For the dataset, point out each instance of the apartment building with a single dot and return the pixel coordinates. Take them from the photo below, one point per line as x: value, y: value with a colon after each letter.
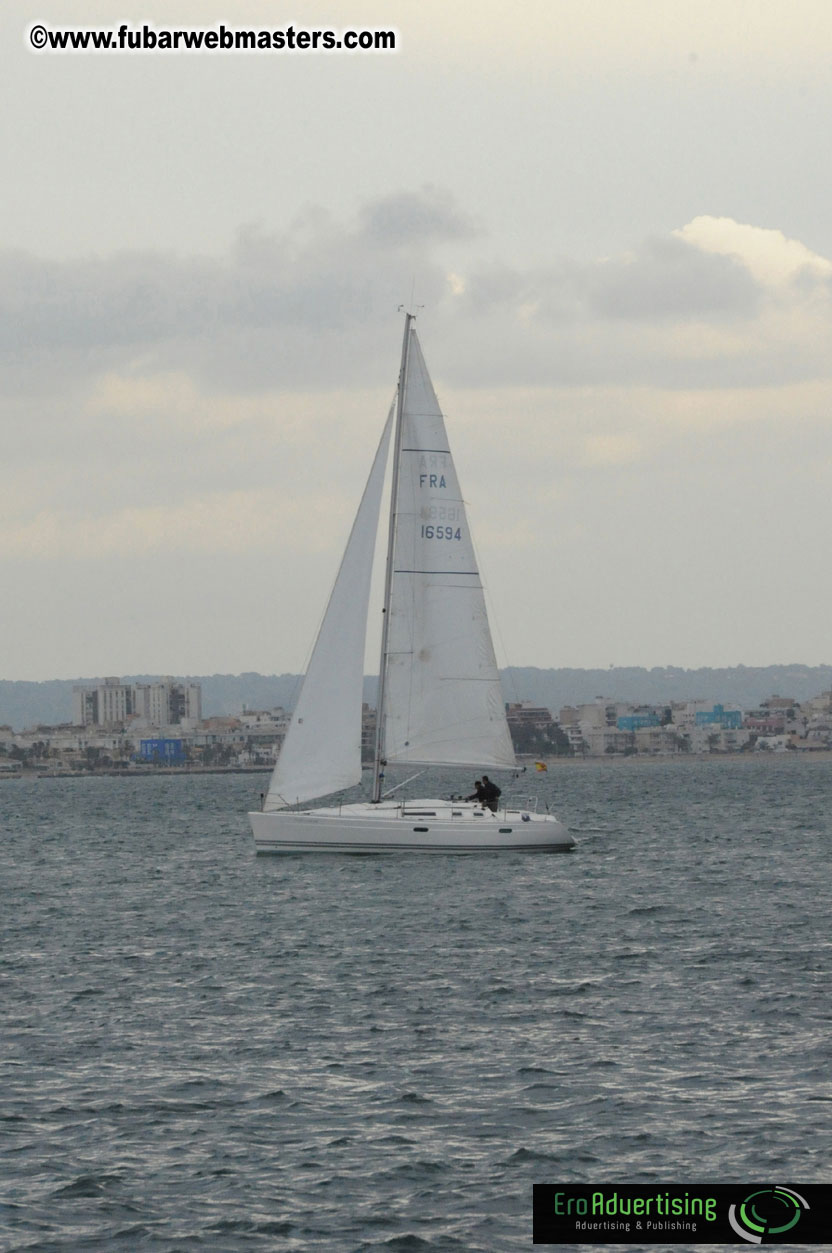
x: 112, y: 703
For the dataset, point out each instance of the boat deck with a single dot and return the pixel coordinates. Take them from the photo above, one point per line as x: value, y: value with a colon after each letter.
x: 441, y: 810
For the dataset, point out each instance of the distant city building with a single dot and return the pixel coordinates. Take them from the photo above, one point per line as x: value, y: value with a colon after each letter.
x: 818, y: 706
x: 534, y: 731
x: 593, y: 729
x: 638, y: 721
x: 368, y: 732
x: 766, y: 724
x: 162, y: 750
x: 165, y: 703
x: 719, y: 716
x: 108, y: 704
x: 608, y: 740
x: 265, y: 731
x: 525, y: 714
x: 656, y: 738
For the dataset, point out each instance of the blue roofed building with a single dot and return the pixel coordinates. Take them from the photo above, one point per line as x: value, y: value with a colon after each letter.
x: 162, y: 752
x: 719, y: 716
x: 635, y: 722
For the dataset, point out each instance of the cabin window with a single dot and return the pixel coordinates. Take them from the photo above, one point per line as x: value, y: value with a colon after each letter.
x: 420, y: 828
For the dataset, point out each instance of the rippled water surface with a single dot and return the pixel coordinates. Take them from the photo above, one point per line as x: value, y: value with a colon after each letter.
x: 204, y: 1049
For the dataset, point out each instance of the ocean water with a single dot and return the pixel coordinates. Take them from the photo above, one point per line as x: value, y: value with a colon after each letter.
x: 206, y: 1050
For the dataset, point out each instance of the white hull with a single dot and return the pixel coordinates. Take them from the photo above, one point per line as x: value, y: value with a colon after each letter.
x: 420, y: 826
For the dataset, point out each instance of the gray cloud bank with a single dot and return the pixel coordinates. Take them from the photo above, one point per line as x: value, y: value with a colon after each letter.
x: 303, y: 307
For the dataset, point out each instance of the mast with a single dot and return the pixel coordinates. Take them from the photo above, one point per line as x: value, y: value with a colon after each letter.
x: 388, y: 574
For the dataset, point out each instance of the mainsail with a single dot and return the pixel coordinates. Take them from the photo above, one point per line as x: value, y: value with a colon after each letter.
x: 442, y: 699
x: 322, y: 749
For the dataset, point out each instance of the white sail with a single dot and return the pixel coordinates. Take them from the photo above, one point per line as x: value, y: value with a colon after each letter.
x: 442, y: 698
x: 322, y: 749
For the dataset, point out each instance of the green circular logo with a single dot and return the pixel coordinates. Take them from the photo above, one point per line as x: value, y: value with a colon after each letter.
x: 766, y: 1215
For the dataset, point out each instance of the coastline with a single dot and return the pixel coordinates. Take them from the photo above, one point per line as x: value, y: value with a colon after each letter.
x: 621, y: 759
x: 614, y: 761
x: 140, y: 773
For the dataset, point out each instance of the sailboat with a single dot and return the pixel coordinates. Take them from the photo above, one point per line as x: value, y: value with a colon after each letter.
x: 439, y: 698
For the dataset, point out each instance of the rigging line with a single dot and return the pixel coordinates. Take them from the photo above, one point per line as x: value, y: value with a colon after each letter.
x: 397, y: 786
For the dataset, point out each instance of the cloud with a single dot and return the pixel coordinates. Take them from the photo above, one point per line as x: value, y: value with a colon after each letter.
x: 713, y: 304
x: 768, y: 255
x: 261, y: 314
x: 100, y: 303
x: 192, y: 343
x: 144, y: 380
x: 408, y: 217
x: 664, y: 280
x: 667, y: 280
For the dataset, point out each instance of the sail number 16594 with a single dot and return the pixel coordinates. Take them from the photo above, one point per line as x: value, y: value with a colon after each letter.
x: 440, y: 532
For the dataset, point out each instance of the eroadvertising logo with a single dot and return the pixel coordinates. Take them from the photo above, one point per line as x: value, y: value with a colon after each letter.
x: 682, y: 1214
x: 769, y: 1213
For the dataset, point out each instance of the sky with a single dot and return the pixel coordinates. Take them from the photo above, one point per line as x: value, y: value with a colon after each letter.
x: 615, y: 222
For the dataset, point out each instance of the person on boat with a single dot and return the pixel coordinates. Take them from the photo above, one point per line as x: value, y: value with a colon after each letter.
x: 490, y: 793
x: 478, y: 793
